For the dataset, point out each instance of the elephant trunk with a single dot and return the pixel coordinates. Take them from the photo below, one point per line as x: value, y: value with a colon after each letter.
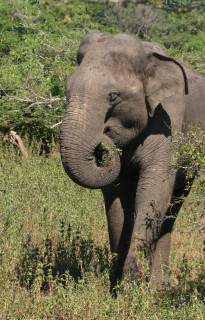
x: 89, y: 157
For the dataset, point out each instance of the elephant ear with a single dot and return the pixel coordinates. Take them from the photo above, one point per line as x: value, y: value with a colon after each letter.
x: 88, y: 40
x: 164, y: 77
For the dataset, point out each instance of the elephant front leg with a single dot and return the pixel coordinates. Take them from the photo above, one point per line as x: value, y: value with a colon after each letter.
x: 153, y: 197
x: 160, y: 262
x: 115, y: 216
x: 120, y: 217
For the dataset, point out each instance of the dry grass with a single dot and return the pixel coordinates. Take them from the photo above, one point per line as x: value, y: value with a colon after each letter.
x: 54, y: 252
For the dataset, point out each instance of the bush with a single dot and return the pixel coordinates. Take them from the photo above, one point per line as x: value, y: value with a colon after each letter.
x: 190, y: 150
x: 74, y: 256
x: 39, y: 40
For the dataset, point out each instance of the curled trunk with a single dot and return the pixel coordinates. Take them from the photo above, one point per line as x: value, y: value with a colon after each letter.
x: 89, y: 157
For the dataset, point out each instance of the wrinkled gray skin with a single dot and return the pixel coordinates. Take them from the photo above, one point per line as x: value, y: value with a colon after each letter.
x: 131, y: 95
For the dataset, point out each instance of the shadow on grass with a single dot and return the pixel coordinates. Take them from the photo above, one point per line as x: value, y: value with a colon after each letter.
x: 175, y: 297
x: 73, y: 255
x: 188, y: 289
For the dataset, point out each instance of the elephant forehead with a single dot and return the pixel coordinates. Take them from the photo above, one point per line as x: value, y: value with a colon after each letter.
x: 124, y: 62
x: 122, y: 54
x: 91, y: 80
x: 112, y: 64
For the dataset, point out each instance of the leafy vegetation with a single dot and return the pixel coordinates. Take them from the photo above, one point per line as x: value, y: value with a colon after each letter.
x: 104, y: 153
x: 39, y: 40
x: 190, y: 148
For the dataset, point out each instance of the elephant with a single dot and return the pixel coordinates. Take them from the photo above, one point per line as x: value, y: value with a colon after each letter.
x: 125, y: 101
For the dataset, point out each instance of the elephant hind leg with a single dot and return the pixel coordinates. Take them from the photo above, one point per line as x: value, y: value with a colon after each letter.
x: 160, y: 272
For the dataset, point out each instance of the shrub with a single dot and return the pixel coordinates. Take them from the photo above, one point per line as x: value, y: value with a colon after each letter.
x: 190, y: 150
x: 73, y: 256
x: 39, y: 40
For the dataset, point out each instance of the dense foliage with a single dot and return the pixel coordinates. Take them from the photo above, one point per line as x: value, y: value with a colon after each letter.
x: 39, y: 40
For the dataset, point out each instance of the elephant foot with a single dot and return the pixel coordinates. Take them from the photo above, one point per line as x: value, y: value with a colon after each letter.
x: 162, y: 279
x: 115, y: 275
x: 131, y: 269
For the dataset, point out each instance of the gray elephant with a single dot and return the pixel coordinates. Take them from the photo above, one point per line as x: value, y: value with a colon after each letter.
x: 132, y: 96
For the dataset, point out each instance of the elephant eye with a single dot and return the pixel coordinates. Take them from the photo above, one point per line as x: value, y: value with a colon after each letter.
x: 114, y: 97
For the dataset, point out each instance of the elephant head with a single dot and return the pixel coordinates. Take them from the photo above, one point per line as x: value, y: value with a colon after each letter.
x: 110, y: 98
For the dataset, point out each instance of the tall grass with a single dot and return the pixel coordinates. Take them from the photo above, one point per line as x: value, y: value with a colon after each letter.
x: 55, y: 259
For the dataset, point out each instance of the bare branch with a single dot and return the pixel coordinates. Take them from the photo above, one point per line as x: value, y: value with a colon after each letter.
x: 47, y: 101
x: 55, y: 125
x: 183, y: 7
x: 34, y: 102
x: 14, y: 138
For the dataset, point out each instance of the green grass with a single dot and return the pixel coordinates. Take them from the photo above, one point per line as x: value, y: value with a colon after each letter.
x: 55, y: 259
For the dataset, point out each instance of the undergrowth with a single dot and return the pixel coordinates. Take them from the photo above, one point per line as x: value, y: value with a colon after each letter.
x: 55, y: 260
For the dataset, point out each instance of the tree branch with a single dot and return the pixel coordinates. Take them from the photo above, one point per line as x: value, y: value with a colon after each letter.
x: 34, y: 102
x: 14, y: 138
x: 55, y: 125
x: 173, y: 5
